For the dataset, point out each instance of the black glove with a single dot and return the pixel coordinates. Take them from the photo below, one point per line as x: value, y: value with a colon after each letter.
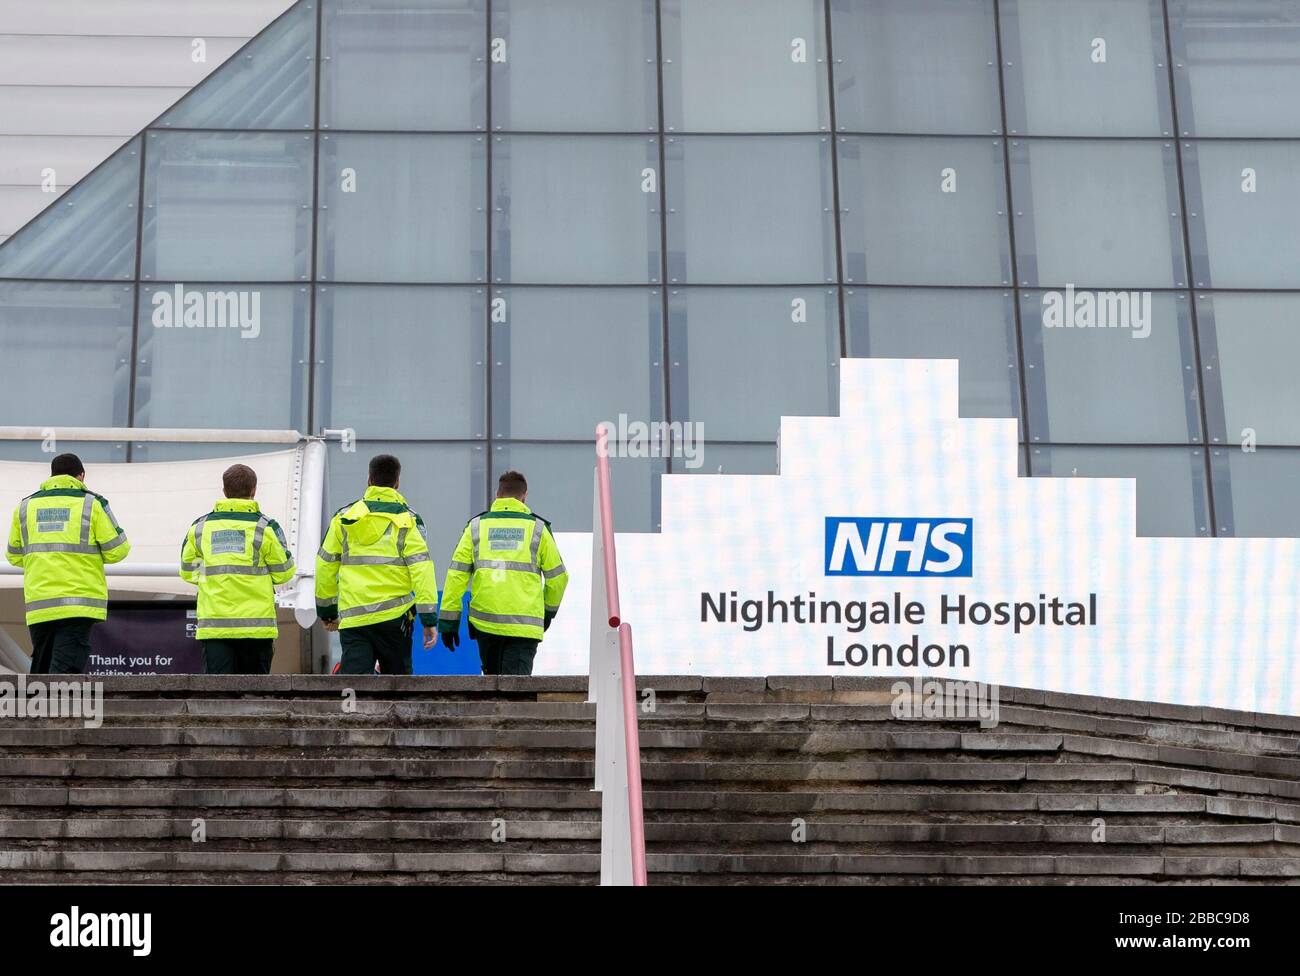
x: 546, y: 620
x: 451, y: 638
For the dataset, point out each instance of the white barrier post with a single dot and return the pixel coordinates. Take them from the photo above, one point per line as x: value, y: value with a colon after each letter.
x: 611, y: 686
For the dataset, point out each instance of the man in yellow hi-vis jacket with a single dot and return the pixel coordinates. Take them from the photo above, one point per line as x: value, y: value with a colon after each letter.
x: 508, y: 559
x: 374, y: 573
x: 61, y: 537
x: 236, y: 556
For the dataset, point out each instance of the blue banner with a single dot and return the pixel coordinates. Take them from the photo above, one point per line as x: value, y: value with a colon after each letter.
x: 439, y: 660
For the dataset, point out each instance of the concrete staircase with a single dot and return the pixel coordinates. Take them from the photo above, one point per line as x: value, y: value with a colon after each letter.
x: 291, y: 779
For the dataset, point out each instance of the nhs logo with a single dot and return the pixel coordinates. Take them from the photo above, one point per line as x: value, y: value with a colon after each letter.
x: 898, y: 546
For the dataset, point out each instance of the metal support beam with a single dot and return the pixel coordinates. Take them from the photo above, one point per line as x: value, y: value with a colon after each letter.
x: 180, y: 435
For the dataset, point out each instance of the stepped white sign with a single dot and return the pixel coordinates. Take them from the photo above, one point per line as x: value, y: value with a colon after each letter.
x: 898, y: 540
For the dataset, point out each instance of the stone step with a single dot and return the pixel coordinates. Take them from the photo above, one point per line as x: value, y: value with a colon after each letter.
x: 672, y: 687
x: 404, y: 779
x: 537, y: 736
x: 966, y: 770
x: 281, y: 769
x: 323, y: 830
x: 943, y: 866
x: 30, y: 751
x: 18, y: 862
x: 290, y: 861
x: 683, y: 725
x: 363, y: 796
x: 460, y: 879
x: 724, y: 833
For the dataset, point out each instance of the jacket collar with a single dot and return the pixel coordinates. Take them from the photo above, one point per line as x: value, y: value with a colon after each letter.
x: 510, y: 505
x: 377, y: 494
x: 62, y: 481
x: 236, y: 505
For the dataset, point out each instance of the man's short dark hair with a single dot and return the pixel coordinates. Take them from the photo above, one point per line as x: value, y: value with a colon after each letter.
x: 239, y: 481
x: 67, y: 464
x: 512, y: 484
x: 385, y: 470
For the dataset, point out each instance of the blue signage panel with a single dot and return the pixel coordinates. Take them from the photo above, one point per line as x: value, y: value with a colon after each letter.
x: 898, y: 546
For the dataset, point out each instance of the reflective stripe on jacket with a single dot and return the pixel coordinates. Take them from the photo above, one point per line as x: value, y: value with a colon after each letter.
x: 508, y: 560
x: 61, y: 537
x: 236, y: 556
x: 374, y: 564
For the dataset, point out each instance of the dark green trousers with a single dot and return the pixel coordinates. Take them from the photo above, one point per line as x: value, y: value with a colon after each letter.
x: 505, y: 655
x: 61, y: 646
x: 237, y: 655
x: 388, y: 642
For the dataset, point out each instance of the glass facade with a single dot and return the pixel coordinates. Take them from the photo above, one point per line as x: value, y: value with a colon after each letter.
x: 471, y: 229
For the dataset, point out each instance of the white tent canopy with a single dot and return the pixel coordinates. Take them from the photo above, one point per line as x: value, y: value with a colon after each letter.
x: 155, y: 502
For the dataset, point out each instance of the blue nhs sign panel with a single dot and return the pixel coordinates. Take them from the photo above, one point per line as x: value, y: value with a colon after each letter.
x: 898, y: 546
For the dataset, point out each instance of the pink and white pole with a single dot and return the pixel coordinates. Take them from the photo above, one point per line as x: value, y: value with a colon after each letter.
x: 632, y: 742
x: 612, y: 686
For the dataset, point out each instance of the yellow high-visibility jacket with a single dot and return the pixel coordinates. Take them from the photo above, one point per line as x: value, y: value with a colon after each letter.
x: 508, y: 559
x: 62, y: 536
x: 374, y: 564
x: 236, y: 556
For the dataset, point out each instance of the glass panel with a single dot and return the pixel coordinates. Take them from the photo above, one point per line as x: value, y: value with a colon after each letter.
x: 575, y: 66
x: 222, y: 356
x: 916, y: 66
x: 1252, y: 343
x: 1171, y: 497
x: 731, y: 459
x: 1136, y: 347
x: 268, y: 84
x: 393, y: 64
x: 1095, y: 68
x: 1254, y: 492
x: 560, y: 484
x: 444, y: 483
x: 975, y: 327
x: 227, y: 207
x: 744, y: 66
x: 578, y: 210
x: 1246, y: 192
x: 67, y: 354
x: 924, y: 211
x: 402, y: 208
x: 1236, y: 67
x: 547, y: 342
x: 741, y: 358
x: 88, y: 232
x: 436, y: 391
x: 1097, y: 214
x: 90, y: 452
x: 750, y: 210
